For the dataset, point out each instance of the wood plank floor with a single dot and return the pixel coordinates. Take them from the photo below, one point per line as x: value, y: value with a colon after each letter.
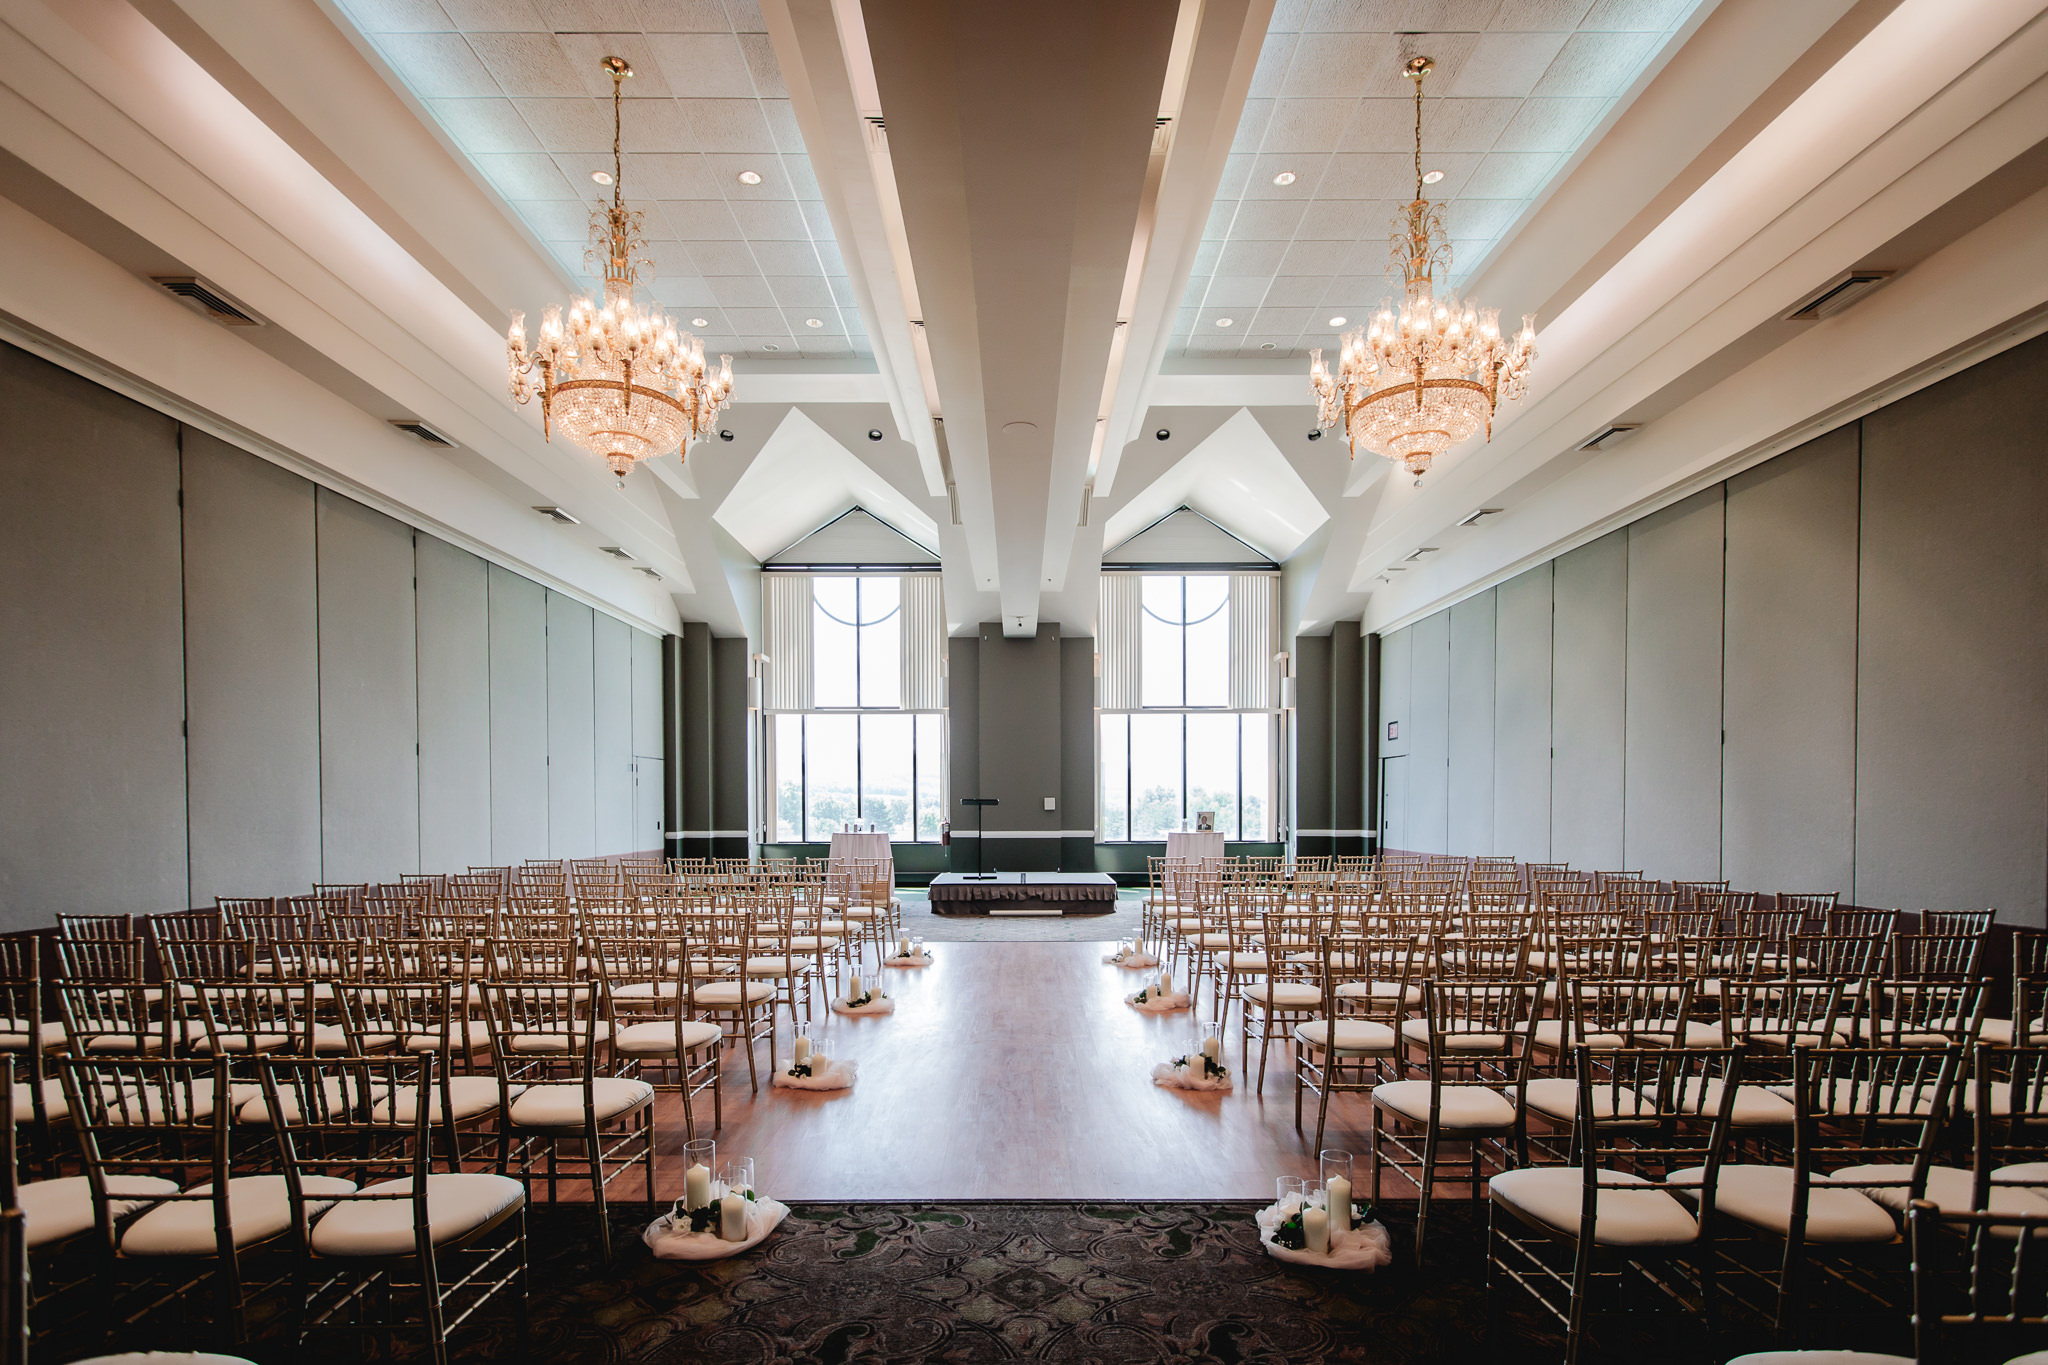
x: 1011, y: 1071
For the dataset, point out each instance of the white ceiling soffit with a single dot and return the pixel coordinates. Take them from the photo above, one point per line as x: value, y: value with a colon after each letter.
x: 519, y: 89
x: 1236, y: 478
x: 1517, y: 91
x: 855, y: 537
x: 1185, y: 536
x: 802, y: 479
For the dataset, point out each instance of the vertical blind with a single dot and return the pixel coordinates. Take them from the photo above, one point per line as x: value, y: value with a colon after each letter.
x: 924, y: 642
x: 1254, y: 638
x: 786, y: 622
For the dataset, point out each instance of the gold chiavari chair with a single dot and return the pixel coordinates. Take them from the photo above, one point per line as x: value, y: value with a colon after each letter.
x: 654, y: 1023
x: 1363, y: 991
x: 96, y: 926
x: 105, y: 1005
x: 719, y: 989
x: 1288, y: 989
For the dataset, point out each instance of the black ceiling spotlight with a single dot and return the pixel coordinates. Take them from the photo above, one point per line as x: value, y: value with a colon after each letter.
x: 874, y: 433
x: 725, y: 435
x: 1162, y: 433
x: 1315, y: 433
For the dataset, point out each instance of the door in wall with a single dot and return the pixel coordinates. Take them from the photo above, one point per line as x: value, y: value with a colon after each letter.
x: 1393, y: 802
x: 647, y: 807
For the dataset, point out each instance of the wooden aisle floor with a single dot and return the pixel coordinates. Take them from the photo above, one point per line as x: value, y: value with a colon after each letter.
x: 1011, y: 1071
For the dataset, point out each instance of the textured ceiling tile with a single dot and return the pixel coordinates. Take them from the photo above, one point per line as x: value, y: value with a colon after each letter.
x: 1205, y: 258
x: 1215, y: 342
x: 683, y: 16
x: 1374, y: 285
x: 1549, y: 125
x: 742, y: 291
x: 842, y: 292
x: 1531, y: 15
x: 1367, y: 255
x: 745, y: 16
x: 782, y: 126
x: 485, y: 125
x: 1511, y: 175
x: 1307, y: 125
x: 495, y: 16
x: 1290, y: 322
x: 1270, y: 345
x: 790, y: 258
x: 1306, y: 167
x: 1507, y: 64
x: 803, y: 181
x: 1289, y: 16
x: 1267, y: 218
x: 803, y: 291
x: 714, y: 259
x: 1296, y: 291
x: 702, y: 220
x: 726, y: 168
x: 771, y: 220
x: 1251, y: 125
x: 678, y: 175
x: 1237, y: 172
x: 1488, y: 218
x: 1636, y: 14
x: 557, y: 220
x: 1598, y: 64
x: 653, y: 126
x: 681, y: 291
x: 1259, y: 258
x: 1276, y: 55
x: 1368, y: 177
x: 823, y: 344
x: 525, y: 175
x: 585, y: 53
x: 399, y: 16
x: 1331, y: 219
x: 570, y: 125
x: 703, y: 65
x: 527, y: 63
x: 1240, y: 293
x: 1221, y: 214
x: 1351, y: 16
x: 761, y: 63
x: 1336, y: 65
x: 589, y: 16
x: 817, y: 218
x: 735, y: 125
x: 758, y: 320
x: 436, y: 65
x: 1465, y: 125
x: 1315, y: 258
x: 830, y: 256
x: 1444, y: 16
x: 765, y: 342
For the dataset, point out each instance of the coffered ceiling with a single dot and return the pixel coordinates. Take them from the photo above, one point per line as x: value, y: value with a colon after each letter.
x: 1518, y: 87
x: 516, y: 85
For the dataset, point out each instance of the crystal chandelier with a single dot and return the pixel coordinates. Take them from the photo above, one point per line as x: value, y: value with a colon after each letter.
x: 1412, y: 384
x: 619, y: 381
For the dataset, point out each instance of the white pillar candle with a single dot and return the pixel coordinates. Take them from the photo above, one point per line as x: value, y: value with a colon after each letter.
x: 732, y: 1219
x: 853, y: 991
x: 1340, y: 1204
x: 1212, y: 1047
x: 697, y: 1187
x: 803, y: 1051
x: 1166, y: 983
x: 1315, y: 1230
x: 820, y: 1064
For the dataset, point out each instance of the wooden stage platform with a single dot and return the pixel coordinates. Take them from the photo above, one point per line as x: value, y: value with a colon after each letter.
x: 1024, y: 893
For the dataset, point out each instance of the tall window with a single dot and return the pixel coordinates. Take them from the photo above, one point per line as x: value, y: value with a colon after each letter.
x: 1186, y: 724
x: 861, y: 736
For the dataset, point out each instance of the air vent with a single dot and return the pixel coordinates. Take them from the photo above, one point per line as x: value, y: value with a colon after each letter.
x: 1479, y: 514
x: 1838, y: 294
x: 209, y: 298
x: 1611, y: 435
x: 422, y: 432
x: 556, y: 514
x: 1419, y: 553
x: 875, y: 122
x: 650, y: 573
x: 617, y: 551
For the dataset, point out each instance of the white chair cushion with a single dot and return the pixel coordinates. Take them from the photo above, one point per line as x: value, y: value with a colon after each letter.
x: 1379, y: 990
x: 720, y: 994
x: 167, y: 1358
x: 1761, y: 1196
x: 1283, y: 995
x: 2033, y: 1174
x: 558, y: 1042
x: 14, y: 1034
x: 648, y: 990
x: 256, y: 1109
x: 560, y: 1105
x: 1756, y: 1106
x: 468, y: 1096
x: 52, y: 1210
x: 1849, y: 1098
x: 1557, y: 1097
x: 773, y: 965
x: 456, y: 1206
x: 1417, y: 1031
x: 1353, y: 1035
x: 1698, y: 1033
x: 1549, y: 1031
x: 657, y: 1038
x: 1242, y: 962
x: 259, y: 1208
x: 149, y: 1107
x: 54, y: 1098
x: 1950, y: 1187
x: 1464, y: 1106
x: 243, y: 1042
x: 1825, y: 1358
x: 472, y: 1035
x: 1632, y: 1217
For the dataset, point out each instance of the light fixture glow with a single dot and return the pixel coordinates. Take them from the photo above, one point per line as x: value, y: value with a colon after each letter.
x: 750, y: 177
x: 1432, y: 178
x: 770, y: 346
x: 1339, y: 320
x: 1225, y: 322
x: 601, y: 177
x: 1284, y: 178
x: 814, y: 322
x: 700, y: 322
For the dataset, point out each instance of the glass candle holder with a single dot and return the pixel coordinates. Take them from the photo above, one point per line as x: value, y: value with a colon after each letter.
x: 917, y: 946
x: 1334, y: 1162
x: 1290, y: 1187
x: 1123, y: 947
x: 739, y: 1174
x: 1211, y: 1036
x: 700, y: 1168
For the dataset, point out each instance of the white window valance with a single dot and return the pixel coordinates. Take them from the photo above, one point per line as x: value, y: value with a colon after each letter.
x: 787, y: 617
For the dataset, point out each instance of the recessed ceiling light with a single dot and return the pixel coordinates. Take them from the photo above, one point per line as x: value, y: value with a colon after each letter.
x: 601, y: 177
x: 771, y: 346
x: 1225, y: 322
x: 814, y: 322
x: 1268, y: 346
x: 1432, y: 177
x: 750, y: 177
x: 1339, y: 320
x: 700, y: 322
x: 1284, y: 178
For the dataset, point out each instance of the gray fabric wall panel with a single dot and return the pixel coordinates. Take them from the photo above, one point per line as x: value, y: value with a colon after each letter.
x: 729, y: 737
x: 1348, y: 746
x: 1788, y: 805
x: 252, y: 674
x: 519, y: 718
x: 1469, y: 742
x: 1429, y: 672
x: 92, y: 765
x: 1589, y: 689
x: 963, y: 740
x: 454, y: 613
x: 1521, y: 716
x: 649, y: 809
x: 1952, y: 713
x: 572, y: 756
x: 646, y: 695
x: 369, y: 694
x: 612, y: 668
x: 1311, y: 732
x: 1396, y: 653
x: 1672, y: 783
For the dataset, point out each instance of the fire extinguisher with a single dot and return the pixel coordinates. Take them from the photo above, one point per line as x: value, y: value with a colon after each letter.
x: 945, y: 834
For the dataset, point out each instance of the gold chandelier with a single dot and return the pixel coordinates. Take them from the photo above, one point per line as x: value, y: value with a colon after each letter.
x: 619, y: 381
x: 1412, y: 384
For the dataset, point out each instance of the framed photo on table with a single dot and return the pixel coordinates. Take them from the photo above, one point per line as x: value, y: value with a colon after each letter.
x: 1205, y: 822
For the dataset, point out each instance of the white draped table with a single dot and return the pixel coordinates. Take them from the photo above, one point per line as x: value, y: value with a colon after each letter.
x: 1188, y: 844
x: 866, y: 848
